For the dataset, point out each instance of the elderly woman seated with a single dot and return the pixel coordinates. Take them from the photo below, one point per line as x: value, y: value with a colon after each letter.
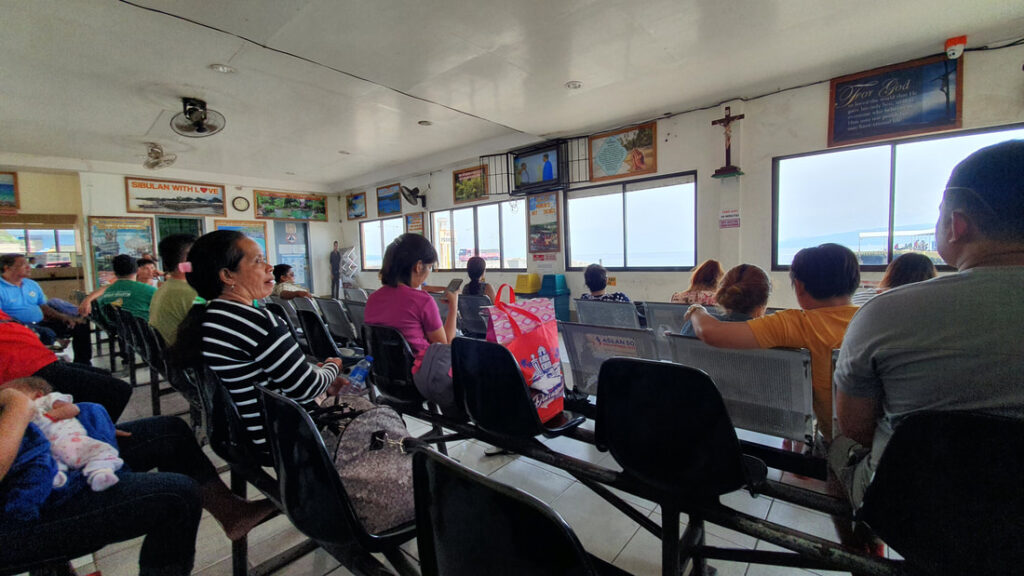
x: 284, y: 284
x: 596, y: 278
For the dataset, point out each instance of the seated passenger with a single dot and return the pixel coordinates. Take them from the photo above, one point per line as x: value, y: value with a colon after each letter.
x: 284, y: 284
x: 163, y: 506
x: 596, y: 278
x: 147, y: 273
x: 247, y: 346
x: 743, y: 295
x: 952, y: 343
x: 824, y: 278
x: 907, y: 268
x: 703, y: 285
x: 175, y: 297
x: 126, y: 292
x: 402, y: 305
x: 477, y: 287
x: 22, y: 355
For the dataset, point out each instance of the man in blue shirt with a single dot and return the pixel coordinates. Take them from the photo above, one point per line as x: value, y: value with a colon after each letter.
x: 549, y: 171
x: 22, y: 299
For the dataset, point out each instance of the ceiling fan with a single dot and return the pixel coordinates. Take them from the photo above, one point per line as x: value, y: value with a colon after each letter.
x: 196, y: 120
x: 156, y: 158
x: 414, y: 196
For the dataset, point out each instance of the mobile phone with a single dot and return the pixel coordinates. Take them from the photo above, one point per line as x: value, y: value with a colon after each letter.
x: 453, y: 285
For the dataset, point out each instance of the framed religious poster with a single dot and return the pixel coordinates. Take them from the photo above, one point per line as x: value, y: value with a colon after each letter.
x: 145, y: 195
x: 286, y: 206
x: 110, y: 236
x: 355, y: 206
x: 543, y: 222
x: 389, y: 199
x: 624, y: 153
x: 414, y: 223
x: 914, y: 97
x: 255, y: 230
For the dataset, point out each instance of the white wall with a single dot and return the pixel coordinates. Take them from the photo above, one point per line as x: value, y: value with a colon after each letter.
x: 790, y: 122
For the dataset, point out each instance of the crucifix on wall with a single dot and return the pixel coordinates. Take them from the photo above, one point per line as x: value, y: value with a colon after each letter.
x: 726, y: 122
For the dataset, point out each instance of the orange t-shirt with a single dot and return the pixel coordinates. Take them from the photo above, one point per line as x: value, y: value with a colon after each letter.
x: 21, y: 352
x: 820, y: 331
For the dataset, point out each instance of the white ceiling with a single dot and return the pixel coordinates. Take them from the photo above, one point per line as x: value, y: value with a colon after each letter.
x: 95, y: 79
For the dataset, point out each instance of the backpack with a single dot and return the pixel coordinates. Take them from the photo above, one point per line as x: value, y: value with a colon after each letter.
x: 365, y: 442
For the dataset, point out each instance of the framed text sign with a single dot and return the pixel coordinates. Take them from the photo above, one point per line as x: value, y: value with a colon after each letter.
x: 113, y: 235
x: 910, y: 98
x: 172, y: 197
x: 623, y: 153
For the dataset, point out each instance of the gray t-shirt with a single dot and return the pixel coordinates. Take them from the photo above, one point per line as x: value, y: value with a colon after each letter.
x: 951, y: 343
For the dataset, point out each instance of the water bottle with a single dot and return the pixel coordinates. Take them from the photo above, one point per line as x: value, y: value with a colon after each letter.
x: 357, y: 376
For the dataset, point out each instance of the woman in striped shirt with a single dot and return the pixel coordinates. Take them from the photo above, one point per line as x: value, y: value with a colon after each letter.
x: 247, y: 346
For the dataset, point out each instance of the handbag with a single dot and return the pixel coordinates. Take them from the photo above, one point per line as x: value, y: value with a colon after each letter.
x: 534, y: 344
x: 364, y: 440
x: 499, y: 326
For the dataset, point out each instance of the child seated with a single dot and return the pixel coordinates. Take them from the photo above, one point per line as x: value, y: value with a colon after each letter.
x: 70, y: 444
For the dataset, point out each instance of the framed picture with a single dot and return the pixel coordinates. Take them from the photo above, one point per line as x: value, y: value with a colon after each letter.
x: 470, y: 184
x: 282, y: 206
x: 914, y: 97
x: 414, y: 223
x: 623, y: 153
x: 543, y: 222
x: 9, y: 191
x: 355, y: 206
x: 112, y: 235
x: 148, y: 196
x: 389, y: 199
x: 255, y: 230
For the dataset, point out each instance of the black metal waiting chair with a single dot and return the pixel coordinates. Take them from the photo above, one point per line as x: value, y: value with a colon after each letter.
x: 338, y: 322
x: 497, y: 398
x: 357, y: 313
x: 948, y: 495
x: 321, y: 345
x: 128, y: 337
x: 666, y: 425
x: 280, y: 311
x: 471, y: 322
x: 468, y: 524
x: 314, y: 498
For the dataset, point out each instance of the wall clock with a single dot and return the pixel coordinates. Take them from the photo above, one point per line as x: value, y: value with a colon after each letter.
x: 240, y: 203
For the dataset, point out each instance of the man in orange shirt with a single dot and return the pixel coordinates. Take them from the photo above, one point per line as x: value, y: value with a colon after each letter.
x: 824, y: 278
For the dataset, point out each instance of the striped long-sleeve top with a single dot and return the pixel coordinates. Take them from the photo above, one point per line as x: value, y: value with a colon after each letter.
x: 249, y: 347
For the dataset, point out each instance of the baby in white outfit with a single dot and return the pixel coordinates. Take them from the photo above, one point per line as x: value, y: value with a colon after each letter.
x: 56, y: 416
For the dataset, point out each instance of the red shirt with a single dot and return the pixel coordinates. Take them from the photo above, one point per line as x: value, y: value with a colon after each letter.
x: 21, y: 352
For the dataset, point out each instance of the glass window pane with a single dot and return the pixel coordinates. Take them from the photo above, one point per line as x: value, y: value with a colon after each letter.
x: 595, y: 230
x: 42, y: 241
x: 840, y: 197
x: 12, y: 240
x: 392, y: 228
x: 660, y: 226
x: 373, y: 252
x: 462, y: 236
x: 922, y: 169
x: 488, y: 234
x: 513, y: 231
x: 66, y: 240
x: 441, y: 228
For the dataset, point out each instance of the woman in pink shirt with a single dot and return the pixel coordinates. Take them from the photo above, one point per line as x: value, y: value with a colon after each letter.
x: 400, y: 304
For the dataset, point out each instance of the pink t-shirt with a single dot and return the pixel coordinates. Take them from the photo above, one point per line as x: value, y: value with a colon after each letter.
x: 412, y: 312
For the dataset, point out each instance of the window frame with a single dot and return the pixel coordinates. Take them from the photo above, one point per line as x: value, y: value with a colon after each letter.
x: 476, y: 233
x: 58, y: 248
x: 892, y: 144
x: 567, y: 252
x: 362, y: 239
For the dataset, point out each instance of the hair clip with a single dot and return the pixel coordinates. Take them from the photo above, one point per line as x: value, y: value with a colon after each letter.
x: 184, y: 267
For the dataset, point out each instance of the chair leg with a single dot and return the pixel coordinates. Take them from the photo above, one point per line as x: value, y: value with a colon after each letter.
x: 693, y: 538
x: 240, y: 547
x: 154, y: 390
x: 669, y: 540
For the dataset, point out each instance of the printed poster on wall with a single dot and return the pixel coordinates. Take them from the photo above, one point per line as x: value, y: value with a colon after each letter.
x: 282, y: 206
x: 914, y: 97
x: 255, y: 230
x: 414, y: 223
x: 110, y: 236
x: 543, y: 218
x: 623, y: 153
x: 172, y: 197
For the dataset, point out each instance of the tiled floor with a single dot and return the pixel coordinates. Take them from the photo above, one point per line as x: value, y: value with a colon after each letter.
x: 604, y: 531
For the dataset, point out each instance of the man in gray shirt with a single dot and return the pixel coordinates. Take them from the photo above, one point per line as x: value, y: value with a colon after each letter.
x: 951, y: 343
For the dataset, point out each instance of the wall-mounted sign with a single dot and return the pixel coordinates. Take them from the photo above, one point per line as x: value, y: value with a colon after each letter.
x: 414, y: 223
x: 113, y: 235
x: 910, y: 98
x: 255, y: 230
x: 149, y: 196
x: 543, y: 218
x: 282, y: 206
x: 622, y: 153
